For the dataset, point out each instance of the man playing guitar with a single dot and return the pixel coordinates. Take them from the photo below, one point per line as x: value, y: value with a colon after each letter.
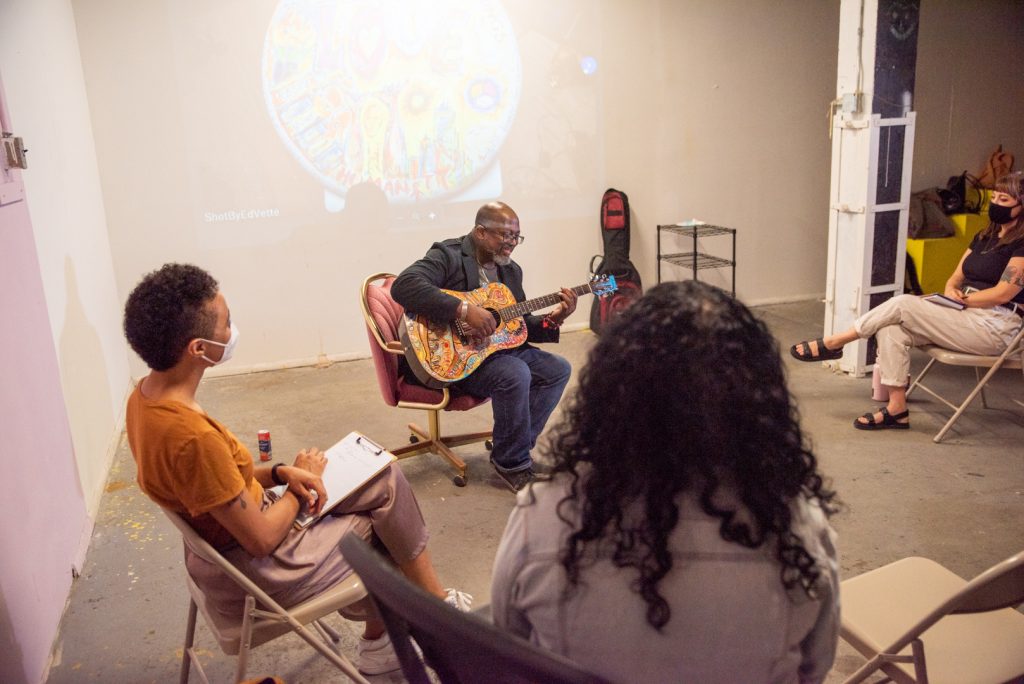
x: 524, y: 383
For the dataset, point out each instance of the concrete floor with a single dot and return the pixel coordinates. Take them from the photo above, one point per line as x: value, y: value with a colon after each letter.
x: 960, y: 502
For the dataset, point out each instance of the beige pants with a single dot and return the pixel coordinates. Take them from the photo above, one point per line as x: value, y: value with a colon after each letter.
x: 907, y: 321
x: 309, y: 561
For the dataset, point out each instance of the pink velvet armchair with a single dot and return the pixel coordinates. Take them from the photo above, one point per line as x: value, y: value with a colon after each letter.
x: 383, y: 317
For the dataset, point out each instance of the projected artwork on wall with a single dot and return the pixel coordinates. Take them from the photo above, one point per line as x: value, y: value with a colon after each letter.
x: 416, y: 98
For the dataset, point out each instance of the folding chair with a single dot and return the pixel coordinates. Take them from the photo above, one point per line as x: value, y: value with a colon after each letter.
x: 1011, y: 358
x: 462, y: 648
x: 255, y: 626
x: 383, y: 316
x: 918, y: 622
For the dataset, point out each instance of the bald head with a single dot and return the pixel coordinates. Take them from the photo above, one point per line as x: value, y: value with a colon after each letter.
x: 496, y: 215
x: 496, y: 233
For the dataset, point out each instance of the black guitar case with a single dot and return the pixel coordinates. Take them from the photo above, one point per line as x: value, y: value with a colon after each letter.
x: 615, y: 262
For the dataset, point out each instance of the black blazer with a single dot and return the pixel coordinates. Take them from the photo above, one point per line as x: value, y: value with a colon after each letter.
x: 451, y: 265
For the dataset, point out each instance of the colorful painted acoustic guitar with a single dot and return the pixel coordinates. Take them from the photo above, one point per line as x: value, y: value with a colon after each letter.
x: 442, y: 353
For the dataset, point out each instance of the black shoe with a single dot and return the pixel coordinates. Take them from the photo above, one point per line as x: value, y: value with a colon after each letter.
x: 821, y: 352
x: 516, y: 480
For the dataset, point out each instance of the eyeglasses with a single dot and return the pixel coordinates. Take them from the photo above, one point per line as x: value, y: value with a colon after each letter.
x: 507, y: 235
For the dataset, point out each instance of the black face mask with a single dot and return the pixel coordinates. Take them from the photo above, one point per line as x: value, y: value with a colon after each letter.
x: 997, y: 213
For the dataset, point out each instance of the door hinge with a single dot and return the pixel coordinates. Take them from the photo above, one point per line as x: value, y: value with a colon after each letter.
x: 14, y: 151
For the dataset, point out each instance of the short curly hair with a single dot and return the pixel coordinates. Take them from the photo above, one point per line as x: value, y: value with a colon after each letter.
x: 684, y: 392
x: 166, y: 310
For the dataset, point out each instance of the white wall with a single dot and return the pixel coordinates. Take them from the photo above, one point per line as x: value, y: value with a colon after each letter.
x: 969, y: 87
x: 716, y: 111
x: 65, y: 367
x: 699, y: 109
x: 48, y: 106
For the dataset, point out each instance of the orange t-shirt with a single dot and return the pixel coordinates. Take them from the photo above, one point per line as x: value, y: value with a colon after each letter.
x: 188, y: 462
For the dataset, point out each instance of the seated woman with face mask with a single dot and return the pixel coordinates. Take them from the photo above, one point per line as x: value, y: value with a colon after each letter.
x: 178, y: 321
x: 988, y: 281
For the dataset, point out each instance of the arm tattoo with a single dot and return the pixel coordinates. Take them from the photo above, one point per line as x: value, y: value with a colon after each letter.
x: 241, y: 501
x: 1014, y: 276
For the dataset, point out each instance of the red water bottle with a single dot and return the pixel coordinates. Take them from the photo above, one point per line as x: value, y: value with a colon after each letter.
x: 264, y: 439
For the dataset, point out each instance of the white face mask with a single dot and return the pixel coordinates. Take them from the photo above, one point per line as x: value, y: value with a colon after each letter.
x: 229, y: 347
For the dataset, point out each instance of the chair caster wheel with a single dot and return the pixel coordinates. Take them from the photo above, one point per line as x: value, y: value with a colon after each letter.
x: 459, y: 480
x: 489, y: 445
x: 413, y: 439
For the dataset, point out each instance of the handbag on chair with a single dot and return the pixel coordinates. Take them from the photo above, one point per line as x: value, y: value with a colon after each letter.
x: 963, y: 194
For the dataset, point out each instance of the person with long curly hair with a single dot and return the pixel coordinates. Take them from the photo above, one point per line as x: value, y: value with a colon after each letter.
x: 986, y: 289
x: 683, y: 534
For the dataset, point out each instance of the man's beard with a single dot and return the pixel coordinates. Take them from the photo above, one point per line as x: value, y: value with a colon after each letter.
x: 502, y: 260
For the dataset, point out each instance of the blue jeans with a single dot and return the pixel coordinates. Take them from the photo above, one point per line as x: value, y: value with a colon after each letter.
x: 524, y: 385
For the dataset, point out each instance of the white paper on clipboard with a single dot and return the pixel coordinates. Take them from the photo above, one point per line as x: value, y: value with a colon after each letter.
x: 351, y: 463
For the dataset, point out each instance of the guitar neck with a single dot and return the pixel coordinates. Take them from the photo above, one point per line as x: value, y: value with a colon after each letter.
x: 530, y: 305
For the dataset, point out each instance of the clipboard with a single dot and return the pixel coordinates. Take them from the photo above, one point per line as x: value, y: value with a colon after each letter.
x: 351, y: 463
x: 943, y: 300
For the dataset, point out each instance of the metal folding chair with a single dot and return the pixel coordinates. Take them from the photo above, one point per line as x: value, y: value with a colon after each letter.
x: 258, y: 625
x: 1011, y: 358
x: 918, y: 622
x: 462, y: 648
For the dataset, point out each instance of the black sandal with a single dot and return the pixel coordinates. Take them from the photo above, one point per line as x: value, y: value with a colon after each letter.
x: 824, y: 353
x: 889, y: 421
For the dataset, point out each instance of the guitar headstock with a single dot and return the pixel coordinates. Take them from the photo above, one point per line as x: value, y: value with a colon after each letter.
x: 603, y: 284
